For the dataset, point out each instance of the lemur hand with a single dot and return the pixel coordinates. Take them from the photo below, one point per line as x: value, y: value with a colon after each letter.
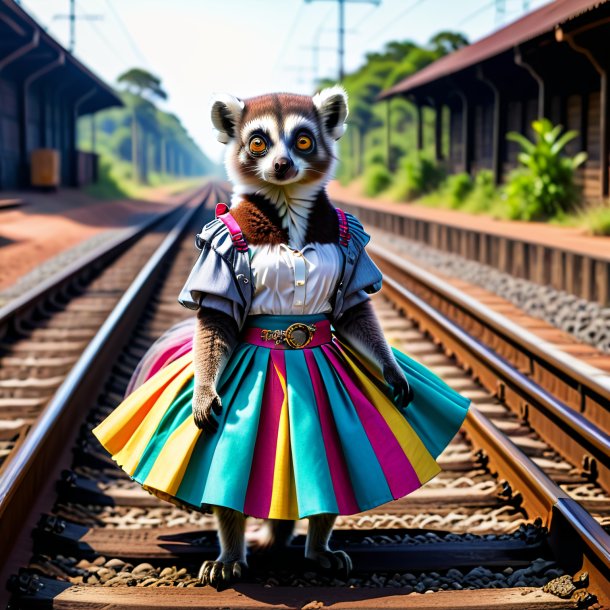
x: 206, y: 404
x: 403, y: 393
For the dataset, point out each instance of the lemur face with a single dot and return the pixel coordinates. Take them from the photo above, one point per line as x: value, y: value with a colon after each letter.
x: 280, y: 139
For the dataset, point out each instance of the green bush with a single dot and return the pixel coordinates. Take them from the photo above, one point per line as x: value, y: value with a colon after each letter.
x: 418, y: 174
x: 484, y: 194
x: 375, y: 156
x: 544, y: 187
x: 596, y: 220
x: 457, y: 189
x: 377, y: 178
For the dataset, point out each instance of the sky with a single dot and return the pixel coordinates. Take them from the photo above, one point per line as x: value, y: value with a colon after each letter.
x: 250, y: 47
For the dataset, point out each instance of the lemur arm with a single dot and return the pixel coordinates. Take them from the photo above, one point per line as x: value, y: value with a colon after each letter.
x: 216, y: 336
x: 360, y: 326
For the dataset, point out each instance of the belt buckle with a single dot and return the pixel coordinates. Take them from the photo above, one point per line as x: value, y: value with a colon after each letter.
x: 299, y: 335
x: 296, y: 336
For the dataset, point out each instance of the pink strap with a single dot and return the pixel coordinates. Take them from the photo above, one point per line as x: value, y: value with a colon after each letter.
x: 322, y: 336
x: 344, y: 234
x: 223, y: 214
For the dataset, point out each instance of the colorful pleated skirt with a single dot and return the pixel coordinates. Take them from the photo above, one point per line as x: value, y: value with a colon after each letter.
x: 302, y: 431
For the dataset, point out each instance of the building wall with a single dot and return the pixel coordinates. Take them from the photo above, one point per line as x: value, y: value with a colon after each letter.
x: 50, y: 124
x: 9, y: 135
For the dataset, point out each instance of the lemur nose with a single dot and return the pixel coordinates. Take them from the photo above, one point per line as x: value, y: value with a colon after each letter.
x: 282, y: 165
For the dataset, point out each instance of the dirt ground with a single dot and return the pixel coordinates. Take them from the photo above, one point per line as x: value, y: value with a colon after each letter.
x: 49, y: 223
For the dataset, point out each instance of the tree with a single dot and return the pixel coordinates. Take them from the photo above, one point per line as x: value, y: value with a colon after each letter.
x: 142, y: 83
x: 146, y: 87
x: 447, y: 42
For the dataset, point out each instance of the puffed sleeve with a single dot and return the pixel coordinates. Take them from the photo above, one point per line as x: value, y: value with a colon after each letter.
x: 362, y: 276
x: 212, y: 282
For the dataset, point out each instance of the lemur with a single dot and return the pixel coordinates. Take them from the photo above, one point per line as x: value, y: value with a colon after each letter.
x: 280, y: 155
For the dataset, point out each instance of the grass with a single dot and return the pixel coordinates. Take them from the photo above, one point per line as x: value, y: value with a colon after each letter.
x: 593, y: 219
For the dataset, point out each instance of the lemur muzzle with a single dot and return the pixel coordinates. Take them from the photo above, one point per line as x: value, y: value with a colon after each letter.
x: 282, y: 165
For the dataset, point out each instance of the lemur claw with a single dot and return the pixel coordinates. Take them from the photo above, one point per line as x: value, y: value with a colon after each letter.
x: 220, y: 574
x: 204, y: 408
x: 336, y: 563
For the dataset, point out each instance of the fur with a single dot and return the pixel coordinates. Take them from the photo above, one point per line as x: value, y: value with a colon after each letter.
x: 279, y: 119
x: 360, y: 326
x: 216, y: 336
x: 279, y: 197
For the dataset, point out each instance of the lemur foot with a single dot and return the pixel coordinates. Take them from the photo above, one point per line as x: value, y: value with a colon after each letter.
x: 221, y: 574
x: 335, y: 563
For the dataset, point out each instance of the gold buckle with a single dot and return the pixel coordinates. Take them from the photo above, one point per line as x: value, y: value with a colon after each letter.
x: 297, y: 335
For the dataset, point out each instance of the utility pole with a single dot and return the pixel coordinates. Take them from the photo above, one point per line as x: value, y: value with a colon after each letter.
x: 72, y: 17
x: 341, y: 30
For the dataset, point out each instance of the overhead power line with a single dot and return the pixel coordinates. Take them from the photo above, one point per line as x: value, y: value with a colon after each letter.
x: 134, y: 46
x: 396, y: 18
x: 341, y: 30
x: 72, y: 17
x: 476, y: 13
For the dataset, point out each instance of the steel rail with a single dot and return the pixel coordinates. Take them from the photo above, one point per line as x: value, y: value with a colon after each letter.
x: 588, y: 377
x: 30, y: 468
x: 578, y: 540
x: 567, y: 430
x: 95, y: 259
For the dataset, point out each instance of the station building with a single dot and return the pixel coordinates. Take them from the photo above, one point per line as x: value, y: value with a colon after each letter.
x: 43, y: 90
x: 553, y: 62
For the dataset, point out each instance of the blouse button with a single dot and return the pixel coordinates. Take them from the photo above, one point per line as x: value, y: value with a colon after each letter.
x: 300, y: 282
x: 298, y: 302
x: 297, y: 253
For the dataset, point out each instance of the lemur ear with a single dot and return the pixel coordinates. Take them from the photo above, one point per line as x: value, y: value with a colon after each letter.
x: 332, y: 106
x: 226, y: 112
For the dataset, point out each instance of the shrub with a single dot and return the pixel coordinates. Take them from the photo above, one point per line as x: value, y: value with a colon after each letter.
x: 418, y: 175
x: 545, y: 185
x: 377, y: 178
x: 375, y: 156
x: 484, y: 193
x: 597, y: 220
x: 457, y: 189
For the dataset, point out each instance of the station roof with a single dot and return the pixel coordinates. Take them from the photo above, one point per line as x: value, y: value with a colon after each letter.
x: 532, y: 25
x: 31, y: 46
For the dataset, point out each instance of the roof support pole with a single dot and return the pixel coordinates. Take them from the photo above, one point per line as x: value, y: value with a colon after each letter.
x: 420, y: 125
x: 497, y: 129
x: 74, y: 178
x: 542, y: 95
x: 601, y: 66
x: 388, y: 134
x: 17, y: 53
x: 466, y: 131
x: 438, y: 131
x: 27, y: 82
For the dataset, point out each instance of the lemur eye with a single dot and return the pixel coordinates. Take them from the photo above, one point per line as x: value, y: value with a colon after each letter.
x: 257, y: 145
x: 304, y: 143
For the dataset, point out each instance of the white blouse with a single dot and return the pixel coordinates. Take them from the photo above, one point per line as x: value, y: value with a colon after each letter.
x: 294, y: 282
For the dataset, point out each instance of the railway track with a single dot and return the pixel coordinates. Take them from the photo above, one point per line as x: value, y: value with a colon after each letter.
x: 508, y: 514
x: 44, y: 332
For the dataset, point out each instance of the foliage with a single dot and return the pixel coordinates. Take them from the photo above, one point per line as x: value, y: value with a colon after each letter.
x: 156, y: 128
x: 375, y: 156
x: 545, y: 186
x: 377, y: 178
x: 142, y: 82
x: 484, y: 194
x: 418, y: 174
x: 457, y: 188
x: 596, y: 220
x: 367, y: 118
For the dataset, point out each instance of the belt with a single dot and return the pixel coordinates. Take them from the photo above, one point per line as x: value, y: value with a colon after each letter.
x: 295, y: 336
